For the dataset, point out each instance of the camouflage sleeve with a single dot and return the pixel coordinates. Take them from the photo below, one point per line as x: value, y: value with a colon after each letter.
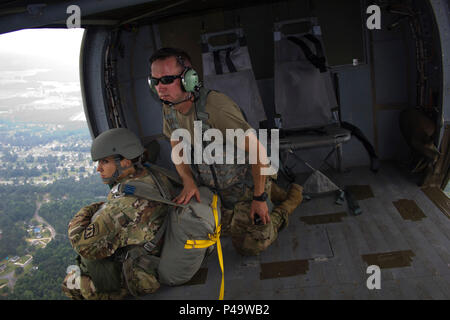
x: 81, y: 219
x: 121, y: 222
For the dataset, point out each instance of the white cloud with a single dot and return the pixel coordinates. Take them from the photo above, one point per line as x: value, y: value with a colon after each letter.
x: 62, y: 44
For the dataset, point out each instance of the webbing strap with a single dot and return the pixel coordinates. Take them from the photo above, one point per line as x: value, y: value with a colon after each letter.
x: 160, y: 185
x: 200, y: 108
x: 229, y: 62
x: 317, y: 44
x: 169, y: 174
x: 316, y: 60
x: 151, y: 245
x: 217, y: 63
x: 213, y: 239
x: 203, y: 116
x: 143, y: 190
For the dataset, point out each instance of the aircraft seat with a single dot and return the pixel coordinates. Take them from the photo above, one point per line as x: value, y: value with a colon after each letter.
x: 227, y: 68
x: 305, y: 98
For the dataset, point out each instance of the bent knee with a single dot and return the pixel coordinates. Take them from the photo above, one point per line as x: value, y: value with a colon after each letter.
x: 143, y: 283
x: 254, y: 240
x: 249, y: 246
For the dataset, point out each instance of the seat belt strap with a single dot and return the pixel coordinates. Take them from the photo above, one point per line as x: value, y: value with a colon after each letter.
x: 319, y: 52
x: 229, y: 62
x: 217, y: 63
x: 315, y: 60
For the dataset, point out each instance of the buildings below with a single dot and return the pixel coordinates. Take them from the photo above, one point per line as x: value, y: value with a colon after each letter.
x: 46, y: 160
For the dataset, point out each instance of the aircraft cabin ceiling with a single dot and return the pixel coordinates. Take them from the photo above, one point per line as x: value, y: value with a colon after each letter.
x: 16, y: 15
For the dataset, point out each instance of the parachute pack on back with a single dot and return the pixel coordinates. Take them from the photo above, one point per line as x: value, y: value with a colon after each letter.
x: 190, y: 231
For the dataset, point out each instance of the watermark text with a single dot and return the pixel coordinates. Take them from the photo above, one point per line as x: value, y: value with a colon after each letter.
x: 213, y: 153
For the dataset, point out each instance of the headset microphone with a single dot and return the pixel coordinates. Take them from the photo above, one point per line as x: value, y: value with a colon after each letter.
x: 172, y: 104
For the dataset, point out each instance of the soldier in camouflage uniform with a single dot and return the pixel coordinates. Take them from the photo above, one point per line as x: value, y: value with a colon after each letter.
x: 244, y: 191
x: 112, y: 237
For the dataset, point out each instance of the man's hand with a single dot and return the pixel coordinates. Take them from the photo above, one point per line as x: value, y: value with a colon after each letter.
x: 260, y: 208
x: 189, y: 190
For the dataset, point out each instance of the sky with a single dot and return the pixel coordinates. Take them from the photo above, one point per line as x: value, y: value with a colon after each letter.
x: 62, y: 44
x: 39, y: 70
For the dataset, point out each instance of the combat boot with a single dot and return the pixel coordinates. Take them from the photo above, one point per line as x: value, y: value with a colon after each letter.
x: 280, y: 214
x: 293, y: 199
x: 277, y: 194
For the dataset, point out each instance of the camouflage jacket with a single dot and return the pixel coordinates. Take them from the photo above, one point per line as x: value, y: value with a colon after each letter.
x: 98, y: 230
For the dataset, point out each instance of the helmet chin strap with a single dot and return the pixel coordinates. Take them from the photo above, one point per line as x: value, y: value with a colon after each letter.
x: 119, y: 170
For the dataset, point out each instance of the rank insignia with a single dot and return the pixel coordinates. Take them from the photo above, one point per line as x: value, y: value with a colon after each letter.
x: 91, y: 231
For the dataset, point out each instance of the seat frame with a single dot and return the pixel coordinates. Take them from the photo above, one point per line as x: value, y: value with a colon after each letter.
x: 328, y: 135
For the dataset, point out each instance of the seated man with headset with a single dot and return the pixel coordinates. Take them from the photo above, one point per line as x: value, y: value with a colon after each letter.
x: 245, y: 193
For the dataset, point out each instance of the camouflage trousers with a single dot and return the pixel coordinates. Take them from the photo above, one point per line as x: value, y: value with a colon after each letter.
x: 85, y: 290
x: 138, y: 277
x: 247, y: 238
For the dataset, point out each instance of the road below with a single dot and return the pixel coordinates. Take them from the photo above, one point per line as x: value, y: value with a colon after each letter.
x: 10, y: 276
x: 11, y: 279
x: 42, y: 220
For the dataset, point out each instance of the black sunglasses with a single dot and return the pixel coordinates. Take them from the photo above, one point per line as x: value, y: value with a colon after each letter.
x: 153, y: 82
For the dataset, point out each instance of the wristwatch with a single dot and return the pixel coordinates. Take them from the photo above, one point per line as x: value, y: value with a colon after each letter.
x: 262, y: 197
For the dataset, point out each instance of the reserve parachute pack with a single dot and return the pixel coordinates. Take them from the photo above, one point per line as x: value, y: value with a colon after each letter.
x: 190, y: 231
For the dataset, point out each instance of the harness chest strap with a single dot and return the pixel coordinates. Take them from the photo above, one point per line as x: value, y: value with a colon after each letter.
x: 204, y: 116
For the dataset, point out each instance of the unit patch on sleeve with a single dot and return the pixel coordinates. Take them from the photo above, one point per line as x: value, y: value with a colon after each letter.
x: 91, y: 231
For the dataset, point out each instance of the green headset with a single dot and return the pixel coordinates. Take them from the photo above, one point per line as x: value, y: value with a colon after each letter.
x: 189, y: 78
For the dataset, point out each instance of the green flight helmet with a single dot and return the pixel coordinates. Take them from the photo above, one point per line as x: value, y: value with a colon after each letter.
x: 118, y: 141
